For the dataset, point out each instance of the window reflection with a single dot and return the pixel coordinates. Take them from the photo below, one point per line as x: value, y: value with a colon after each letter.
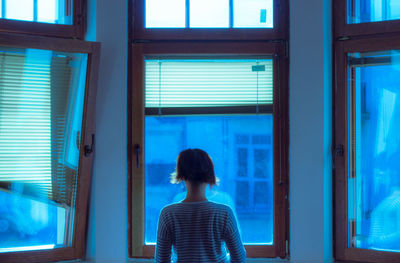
x: 44, y: 11
x: 372, y: 10
x: 374, y: 175
x: 41, y: 108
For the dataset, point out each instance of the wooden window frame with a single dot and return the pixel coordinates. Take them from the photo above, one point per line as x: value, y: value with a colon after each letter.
x: 139, y: 33
x: 77, y: 250
x: 136, y: 113
x: 344, y: 30
x: 342, y: 251
x: 76, y: 30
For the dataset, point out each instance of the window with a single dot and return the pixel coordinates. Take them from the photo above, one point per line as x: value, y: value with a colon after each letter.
x: 373, y: 11
x: 366, y: 134
x: 357, y: 17
x: 44, y: 11
x: 225, y: 104
x: 209, y: 14
x: 46, y: 134
x: 62, y: 18
x: 189, y: 89
x: 206, y: 19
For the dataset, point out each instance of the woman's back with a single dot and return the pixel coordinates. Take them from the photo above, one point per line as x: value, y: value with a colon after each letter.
x: 197, y: 230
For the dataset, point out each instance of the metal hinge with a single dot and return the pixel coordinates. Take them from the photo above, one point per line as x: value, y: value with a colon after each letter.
x: 287, y: 49
x: 287, y: 247
x: 79, y: 19
x: 344, y: 38
x: 339, y: 151
x: 88, y: 150
x: 140, y: 41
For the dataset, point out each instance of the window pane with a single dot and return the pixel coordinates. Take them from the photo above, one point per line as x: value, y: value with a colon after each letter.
x: 261, y: 157
x: 253, y: 13
x: 363, y: 11
x: 208, y: 82
x: 374, y: 151
x: 251, y: 198
x: 46, y: 11
x: 41, y: 108
x: 242, y: 155
x: 14, y: 10
x: 161, y: 13
x: 209, y: 13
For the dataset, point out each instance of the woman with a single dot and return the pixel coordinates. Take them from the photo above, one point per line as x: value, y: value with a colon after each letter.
x: 196, y: 227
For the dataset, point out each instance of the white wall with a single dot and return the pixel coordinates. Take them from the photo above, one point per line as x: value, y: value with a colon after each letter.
x: 310, y: 133
x: 107, y: 237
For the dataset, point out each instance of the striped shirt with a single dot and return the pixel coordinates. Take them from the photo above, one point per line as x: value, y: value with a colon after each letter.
x: 196, y: 231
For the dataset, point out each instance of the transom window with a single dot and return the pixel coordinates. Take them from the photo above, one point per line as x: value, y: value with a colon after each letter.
x: 361, y: 11
x: 44, y: 11
x: 209, y: 14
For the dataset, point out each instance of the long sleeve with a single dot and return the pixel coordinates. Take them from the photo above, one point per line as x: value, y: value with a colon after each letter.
x: 164, y: 243
x: 233, y: 240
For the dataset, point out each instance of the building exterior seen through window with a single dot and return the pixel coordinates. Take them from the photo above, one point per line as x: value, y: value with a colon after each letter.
x: 209, y: 14
x: 241, y: 149
x: 364, y: 11
x: 44, y: 11
x: 41, y: 108
x: 374, y: 150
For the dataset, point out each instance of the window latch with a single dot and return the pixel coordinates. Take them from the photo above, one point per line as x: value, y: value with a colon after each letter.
x: 337, y: 152
x: 89, y: 149
x: 137, y: 153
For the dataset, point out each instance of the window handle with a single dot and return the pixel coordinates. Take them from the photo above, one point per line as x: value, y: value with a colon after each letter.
x: 137, y: 153
x: 89, y: 149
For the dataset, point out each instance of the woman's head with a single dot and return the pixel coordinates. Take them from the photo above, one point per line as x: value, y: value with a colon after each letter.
x: 194, y: 166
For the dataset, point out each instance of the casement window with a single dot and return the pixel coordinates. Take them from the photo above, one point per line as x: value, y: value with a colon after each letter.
x: 61, y: 18
x: 208, y: 19
x: 189, y: 89
x: 47, y: 98
x: 232, y: 106
x: 367, y: 110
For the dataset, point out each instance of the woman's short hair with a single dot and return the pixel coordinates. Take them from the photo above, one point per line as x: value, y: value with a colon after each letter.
x: 195, y: 166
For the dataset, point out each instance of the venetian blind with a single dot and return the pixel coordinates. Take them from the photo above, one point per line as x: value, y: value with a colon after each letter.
x: 208, y: 83
x: 34, y: 94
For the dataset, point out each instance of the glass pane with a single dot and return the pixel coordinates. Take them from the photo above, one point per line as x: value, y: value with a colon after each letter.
x: 261, y: 157
x: 161, y: 13
x: 41, y: 108
x: 242, y: 190
x: 45, y: 11
x: 262, y: 193
x: 363, y: 11
x: 218, y: 136
x: 253, y: 13
x: 208, y: 82
x: 242, y: 162
x: 209, y: 13
x: 374, y: 151
x: 14, y: 11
